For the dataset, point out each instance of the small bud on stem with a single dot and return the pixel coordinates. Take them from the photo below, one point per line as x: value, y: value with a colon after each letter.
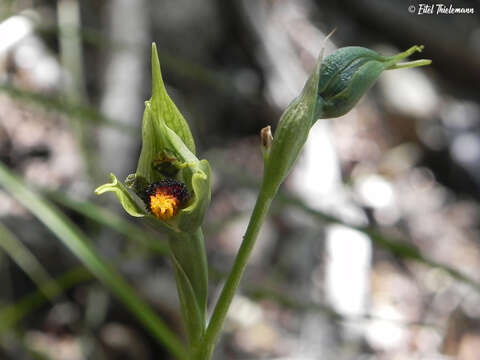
x: 266, y: 138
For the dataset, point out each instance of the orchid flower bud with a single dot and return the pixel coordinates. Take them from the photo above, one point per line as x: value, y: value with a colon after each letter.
x: 349, y: 72
x: 334, y: 87
x: 172, y: 183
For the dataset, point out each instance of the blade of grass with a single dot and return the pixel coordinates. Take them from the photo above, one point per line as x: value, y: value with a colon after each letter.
x: 106, y: 217
x: 180, y: 66
x: 76, y: 241
x: 27, y: 261
x: 290, y: 302
x: 12, y: 314
x: 71, y: 59
x: 394, y: 246
x: 74, y: 111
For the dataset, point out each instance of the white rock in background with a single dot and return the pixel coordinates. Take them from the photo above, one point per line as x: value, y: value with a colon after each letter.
x: 13, y: 30
x: 387, y: 331
x: 37, y: 67
x: 375, y: 191
x: 349, y: 255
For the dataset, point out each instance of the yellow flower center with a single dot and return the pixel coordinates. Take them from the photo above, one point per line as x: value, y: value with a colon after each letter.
x: 163, y: 206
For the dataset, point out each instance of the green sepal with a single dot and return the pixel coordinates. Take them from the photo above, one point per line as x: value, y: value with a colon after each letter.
x: 164, y: 109
x: 121, y: 192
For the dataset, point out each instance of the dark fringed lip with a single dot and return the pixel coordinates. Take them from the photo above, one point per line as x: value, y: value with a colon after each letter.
x: 174, y: 192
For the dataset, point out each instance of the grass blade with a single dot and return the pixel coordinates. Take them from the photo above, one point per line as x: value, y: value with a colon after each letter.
x: 106, y: 217
x: 72, y: 110
x: 11, y: 314
x: 74, y: 239
x: 25, y: 260
x: 394, y: 246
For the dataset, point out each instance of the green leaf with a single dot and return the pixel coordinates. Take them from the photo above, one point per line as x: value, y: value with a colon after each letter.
x: 127, y: 201
x: 76, y: 241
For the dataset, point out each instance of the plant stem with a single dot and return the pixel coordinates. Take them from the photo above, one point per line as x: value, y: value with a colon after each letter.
x: 191, y: 275
x: 257, y: 219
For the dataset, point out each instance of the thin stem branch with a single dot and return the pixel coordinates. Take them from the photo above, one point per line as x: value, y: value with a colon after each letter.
x: 228, y: 292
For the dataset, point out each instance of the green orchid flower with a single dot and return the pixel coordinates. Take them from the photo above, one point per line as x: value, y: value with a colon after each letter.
x: 167, y: 167
x: 171, y: 187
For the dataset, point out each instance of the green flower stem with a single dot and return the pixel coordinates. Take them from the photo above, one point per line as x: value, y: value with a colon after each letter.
x: 257, y: 219
x: 191, y: 273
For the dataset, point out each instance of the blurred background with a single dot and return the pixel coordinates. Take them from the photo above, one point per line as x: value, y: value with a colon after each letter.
x: 372, y: 248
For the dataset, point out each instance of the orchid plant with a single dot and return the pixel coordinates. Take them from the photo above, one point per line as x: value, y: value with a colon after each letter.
x: 171, y: 186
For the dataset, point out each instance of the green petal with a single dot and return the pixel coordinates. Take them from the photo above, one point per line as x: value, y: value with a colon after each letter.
x: 196, y: 175
x: 128, y: 203
x: 191, y: 217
